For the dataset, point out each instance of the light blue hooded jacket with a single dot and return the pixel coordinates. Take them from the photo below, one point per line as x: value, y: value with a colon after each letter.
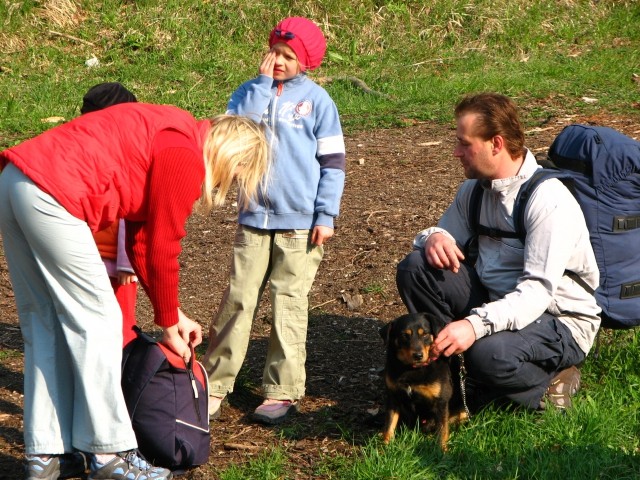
x: 305, y: 184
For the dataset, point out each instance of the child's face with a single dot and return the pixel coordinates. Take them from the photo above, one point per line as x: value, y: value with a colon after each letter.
x: 286, y: 65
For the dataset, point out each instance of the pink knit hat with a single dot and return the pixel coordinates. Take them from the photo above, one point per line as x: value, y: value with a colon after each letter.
x: 304, y: 37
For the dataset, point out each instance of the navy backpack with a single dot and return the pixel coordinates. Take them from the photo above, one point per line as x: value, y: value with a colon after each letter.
x: 168, y: 404
x: 601, y: 167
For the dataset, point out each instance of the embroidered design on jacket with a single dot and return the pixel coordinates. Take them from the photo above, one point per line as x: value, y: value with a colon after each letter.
x: 304, y: 108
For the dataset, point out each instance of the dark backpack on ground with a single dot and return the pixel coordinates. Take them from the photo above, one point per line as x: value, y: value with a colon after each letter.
x: 601, y: 167
x: 168, y: 404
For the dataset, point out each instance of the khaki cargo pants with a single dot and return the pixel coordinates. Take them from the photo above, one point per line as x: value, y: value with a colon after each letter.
x: 288, y: 260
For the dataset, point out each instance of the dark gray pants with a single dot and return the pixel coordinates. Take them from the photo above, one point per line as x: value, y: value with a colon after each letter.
x: 506, y: 367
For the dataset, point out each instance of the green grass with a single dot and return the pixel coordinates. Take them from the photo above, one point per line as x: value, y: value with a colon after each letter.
x: 599, y: 438
x: 373, y: 289
x: 421, y: 55
x: 271, y: 465
x: 6, y: 354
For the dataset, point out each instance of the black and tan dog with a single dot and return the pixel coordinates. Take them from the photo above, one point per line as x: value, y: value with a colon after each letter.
x: 418, y: 389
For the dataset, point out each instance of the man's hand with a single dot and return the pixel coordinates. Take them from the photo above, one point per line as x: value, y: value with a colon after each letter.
x: 442, y: 252
x: 321, y: 234
x: 178, y: 336
x: 455, y: 338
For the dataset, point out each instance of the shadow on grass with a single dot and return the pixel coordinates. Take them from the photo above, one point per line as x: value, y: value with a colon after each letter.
x: 550, y: 462
x: 411, y: 456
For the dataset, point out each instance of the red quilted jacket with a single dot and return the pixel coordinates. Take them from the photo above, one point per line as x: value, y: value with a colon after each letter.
x: 134, y: 161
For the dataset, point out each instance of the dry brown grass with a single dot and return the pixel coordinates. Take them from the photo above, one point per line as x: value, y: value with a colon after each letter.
x: 60, y: 13
x: 11, y: 43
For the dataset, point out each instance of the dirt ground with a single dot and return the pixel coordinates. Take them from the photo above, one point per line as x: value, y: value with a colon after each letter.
x: 399, y: 181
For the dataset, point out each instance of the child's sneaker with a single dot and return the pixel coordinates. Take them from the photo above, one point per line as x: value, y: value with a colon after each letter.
x: 127, y: 466
x: 57, y: 466
x: 215, y: 407
x: 273, y: 412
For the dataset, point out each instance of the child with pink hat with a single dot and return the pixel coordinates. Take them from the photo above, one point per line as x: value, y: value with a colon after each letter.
x: 280, y: 237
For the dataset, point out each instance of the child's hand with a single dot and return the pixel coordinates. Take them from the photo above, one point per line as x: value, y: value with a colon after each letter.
x: 125, y: 278
x: 268, y: 62
x: 321, y: 234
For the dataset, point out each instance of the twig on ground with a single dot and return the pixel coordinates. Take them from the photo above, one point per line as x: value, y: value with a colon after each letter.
x: 437, y: 60
x: 194, y: 86
x: 364, y: 252
x: 355, y: 81
x: 71, y: 37
x: 323, y: 303
x: 240, y: 433
x: 242, y: 446
x: 371, y: 214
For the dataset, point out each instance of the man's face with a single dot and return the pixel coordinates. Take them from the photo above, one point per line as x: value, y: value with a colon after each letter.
x: 475, y: 154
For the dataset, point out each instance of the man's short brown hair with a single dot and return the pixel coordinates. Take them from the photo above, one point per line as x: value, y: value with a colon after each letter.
x: 497, y: 115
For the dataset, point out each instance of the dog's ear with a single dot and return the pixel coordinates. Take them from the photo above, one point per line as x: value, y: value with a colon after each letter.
x: 437, y: 324
x: 384, y: 332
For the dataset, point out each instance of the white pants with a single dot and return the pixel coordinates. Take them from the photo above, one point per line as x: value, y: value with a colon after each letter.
x: 71, y: 325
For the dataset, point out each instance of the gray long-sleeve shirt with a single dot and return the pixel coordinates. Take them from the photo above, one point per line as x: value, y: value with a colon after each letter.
x: 525, y: 281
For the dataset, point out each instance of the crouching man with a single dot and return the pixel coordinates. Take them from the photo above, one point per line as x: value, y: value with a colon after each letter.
x: 517, y: 309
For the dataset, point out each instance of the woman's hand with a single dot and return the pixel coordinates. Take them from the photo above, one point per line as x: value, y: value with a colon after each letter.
x: 178, y: 336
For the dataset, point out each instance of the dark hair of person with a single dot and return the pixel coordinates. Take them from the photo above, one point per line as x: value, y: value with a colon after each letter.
x: 105, y: 95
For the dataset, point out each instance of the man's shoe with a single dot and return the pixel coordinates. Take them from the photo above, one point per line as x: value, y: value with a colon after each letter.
x: 563, y: 386
x: 273, y: 412
x: 56, y: 467
x: 127, y: 466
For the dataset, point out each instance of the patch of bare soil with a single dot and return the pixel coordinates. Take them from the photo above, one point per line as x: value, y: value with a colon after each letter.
x: 399, y: 181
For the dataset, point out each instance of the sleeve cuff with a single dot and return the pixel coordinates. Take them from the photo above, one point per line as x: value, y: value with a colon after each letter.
x: 166, y: 319
x: 480, y: 328
x: 421, y: 238
x: 324, y: 220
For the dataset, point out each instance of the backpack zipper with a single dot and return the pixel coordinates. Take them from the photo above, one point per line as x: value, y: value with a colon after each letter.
x: 194, y: 386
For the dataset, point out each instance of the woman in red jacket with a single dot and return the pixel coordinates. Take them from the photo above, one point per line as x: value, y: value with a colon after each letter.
x: 147, y: 164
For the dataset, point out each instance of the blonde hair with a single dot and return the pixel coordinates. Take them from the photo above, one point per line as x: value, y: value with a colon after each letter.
x: 236, y: 148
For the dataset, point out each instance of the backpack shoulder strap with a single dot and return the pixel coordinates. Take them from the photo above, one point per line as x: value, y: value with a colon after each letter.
x: 527, y: 188
x: 549, y: 170
x: 475, y: 205
x: 474, y: 218
x: 144, y: 360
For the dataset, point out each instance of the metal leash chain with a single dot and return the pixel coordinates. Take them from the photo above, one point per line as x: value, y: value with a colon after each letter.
x: 463, y: 390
